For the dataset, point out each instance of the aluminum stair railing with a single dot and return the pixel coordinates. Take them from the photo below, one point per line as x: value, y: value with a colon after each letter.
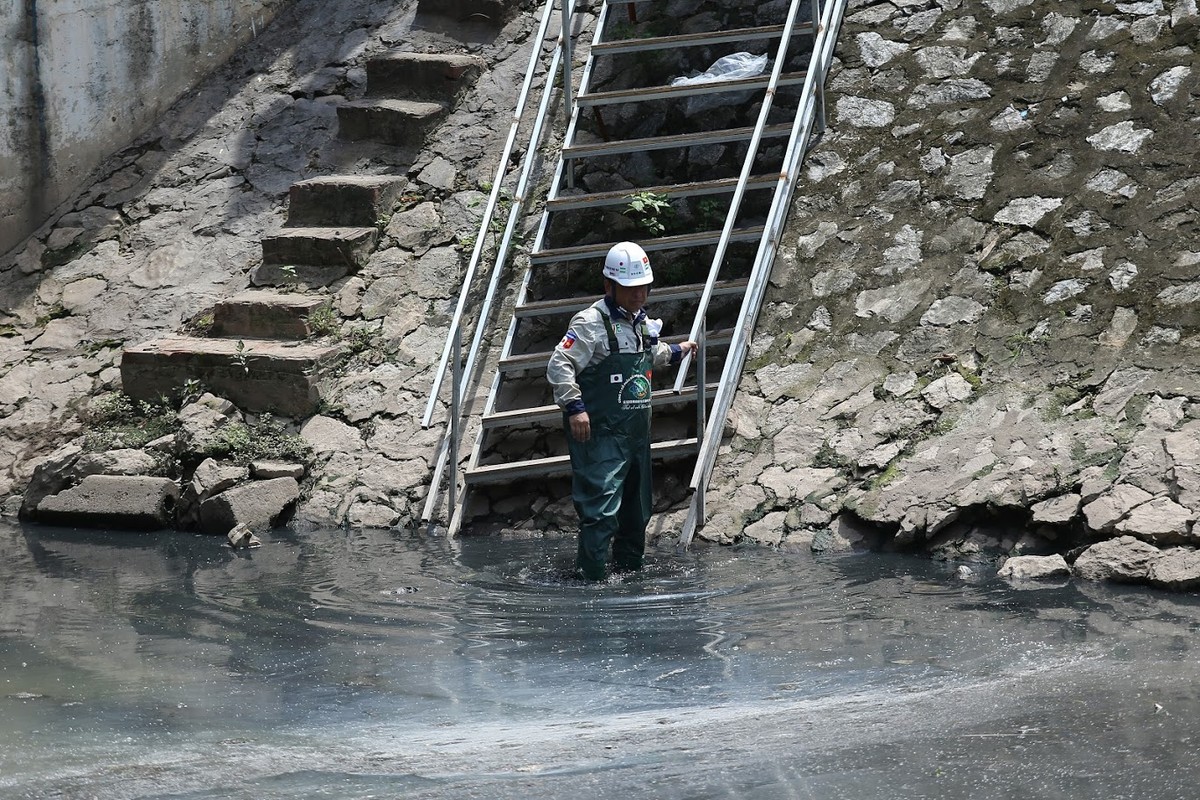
x: 775, y: 80
x: 511, y: 362
x: 462, y: 374
x: 811, y: 113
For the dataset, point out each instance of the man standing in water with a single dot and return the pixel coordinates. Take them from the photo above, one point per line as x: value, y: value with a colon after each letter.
x: 601, y: 374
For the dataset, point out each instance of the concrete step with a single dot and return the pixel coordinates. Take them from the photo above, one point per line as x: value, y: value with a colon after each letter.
x: 257, y: 375
x: 423, y: 76
x: 267, y: 315
x: 494, y: 12
x: 396, y: 122
x: 345, y: 200
x: 348, y: 248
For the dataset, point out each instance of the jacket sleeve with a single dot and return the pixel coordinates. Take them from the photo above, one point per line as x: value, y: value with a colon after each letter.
x: 569, y: 358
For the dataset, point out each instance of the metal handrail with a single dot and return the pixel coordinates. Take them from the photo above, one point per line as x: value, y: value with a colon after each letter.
x: 462, y: 377
x: 811, y: 107
x: 486, y: 222
x: 556, y: 181
x: 735, y: 204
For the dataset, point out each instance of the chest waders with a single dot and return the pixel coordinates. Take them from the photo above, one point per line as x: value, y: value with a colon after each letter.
x: 611, y: 471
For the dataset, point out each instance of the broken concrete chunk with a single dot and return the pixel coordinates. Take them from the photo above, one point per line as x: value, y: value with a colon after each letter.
x: 113, y: 501
x: 262, y: 504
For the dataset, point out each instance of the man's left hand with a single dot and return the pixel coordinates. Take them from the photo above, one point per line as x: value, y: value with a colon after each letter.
x: 689, y: 347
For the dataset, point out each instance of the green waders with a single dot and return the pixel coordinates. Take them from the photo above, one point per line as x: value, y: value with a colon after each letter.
x: 611, y: 471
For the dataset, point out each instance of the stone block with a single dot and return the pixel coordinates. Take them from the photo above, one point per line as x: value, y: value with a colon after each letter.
x: 1034, y: 568
x: 265, y: 470
x: 351, y: 200
x: 396, y: 122
x: 493, y: 12
x: 347, y: 248
x: 266, y: 315
x: 259, y: 376
x: 257, y: 505
x: 1123, y: 560
x: 113, y: 501
x: 423, y: 76
x: 295, y: 275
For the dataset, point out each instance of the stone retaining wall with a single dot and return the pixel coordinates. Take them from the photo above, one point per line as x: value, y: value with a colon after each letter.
x: 985, y: 305
x: 83, y: 78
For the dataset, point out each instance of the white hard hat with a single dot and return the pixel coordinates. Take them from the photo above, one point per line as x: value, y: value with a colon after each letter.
x: 628, y: 265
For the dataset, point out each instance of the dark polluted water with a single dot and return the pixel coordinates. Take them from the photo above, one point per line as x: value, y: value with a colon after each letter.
x: 385, y: 665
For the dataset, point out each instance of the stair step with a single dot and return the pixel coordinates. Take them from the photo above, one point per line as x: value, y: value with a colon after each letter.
x: 423, y: 76
x: 696, y: 189
x: 699, y: 138
x: 255, y: 374
x: 344, y: 247
x: 494, y: 12
x: 690, y: 90
x: 697, y: 239
x: 343, y: 200
x: 695, y: 39
x: 396, y: 122
x: 669, y: 450
x: 569, y: 305
x: 552, y: 413
x: 266, y: 315
x: 537, y: 361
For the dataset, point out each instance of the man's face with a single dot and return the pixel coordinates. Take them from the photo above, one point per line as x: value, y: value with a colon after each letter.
x: 630, y: 298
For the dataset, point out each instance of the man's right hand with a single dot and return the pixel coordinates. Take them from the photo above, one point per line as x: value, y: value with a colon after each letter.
x: 581, y: 426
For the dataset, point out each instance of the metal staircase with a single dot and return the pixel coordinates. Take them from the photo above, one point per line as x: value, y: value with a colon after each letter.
x: 724, y: 154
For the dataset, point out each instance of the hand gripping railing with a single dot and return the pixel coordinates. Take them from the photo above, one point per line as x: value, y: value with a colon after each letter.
x: 463, y: 376
x: 811, y: 108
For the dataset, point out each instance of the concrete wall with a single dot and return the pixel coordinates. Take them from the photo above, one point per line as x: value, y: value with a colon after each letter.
x: 79, y: 79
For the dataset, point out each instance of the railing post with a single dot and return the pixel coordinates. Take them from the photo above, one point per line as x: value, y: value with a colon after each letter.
x: 816, y: 23
x: 568, y: 100
x: 455, y: 417
x: 701, y: 410
x: 701, y: 381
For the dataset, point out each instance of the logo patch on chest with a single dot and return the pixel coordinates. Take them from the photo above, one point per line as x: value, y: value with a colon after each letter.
x: 635, y: 393
x: 616, y: 378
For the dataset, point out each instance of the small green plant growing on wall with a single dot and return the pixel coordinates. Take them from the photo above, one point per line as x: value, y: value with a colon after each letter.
x: 201, y: 324
x: 54, y: 312
x: 323, y: 321
x: 264, y: 437
x: 114, y: 421
x: 241, y: 356
x: 709, y: 212
x: 650, y: 211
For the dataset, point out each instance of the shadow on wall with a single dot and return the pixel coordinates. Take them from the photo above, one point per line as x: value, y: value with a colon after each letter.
x: 232, y: 152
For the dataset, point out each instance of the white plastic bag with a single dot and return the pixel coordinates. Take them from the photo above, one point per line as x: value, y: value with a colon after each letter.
x: 728, y: 68
x: 654, y: 328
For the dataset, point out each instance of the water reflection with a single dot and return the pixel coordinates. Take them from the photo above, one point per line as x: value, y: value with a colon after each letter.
x: 356, y: 664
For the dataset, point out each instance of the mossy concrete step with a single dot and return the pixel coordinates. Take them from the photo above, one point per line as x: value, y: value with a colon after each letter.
x: 494, y: 12
x: 423, y: 76
x: 267, y: 315
x: 343, y: 200
x: 397, y: 122
x: 255, y: 374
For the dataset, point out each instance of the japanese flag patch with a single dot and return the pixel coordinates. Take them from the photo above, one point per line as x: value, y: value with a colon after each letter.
x: 569, y: 340
x: 616, y: 378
